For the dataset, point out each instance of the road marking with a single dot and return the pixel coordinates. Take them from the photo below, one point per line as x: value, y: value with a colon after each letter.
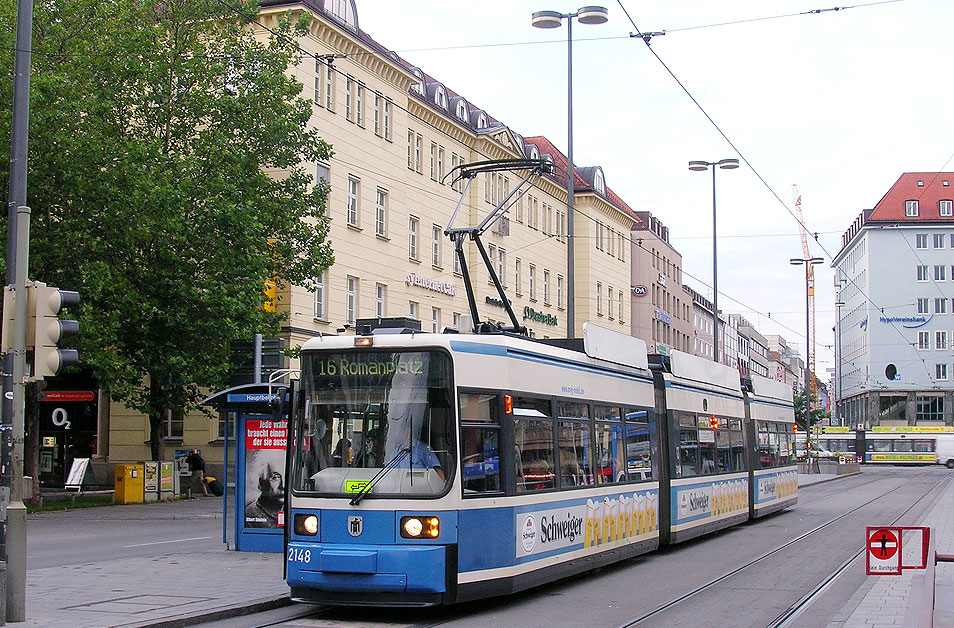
x: 197, y: 538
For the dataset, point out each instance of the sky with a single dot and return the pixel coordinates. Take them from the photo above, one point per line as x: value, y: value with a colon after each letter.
x: 839, y: 103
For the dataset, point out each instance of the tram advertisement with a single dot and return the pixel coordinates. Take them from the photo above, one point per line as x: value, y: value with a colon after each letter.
x: 584, y: 525
x: 264, y: 465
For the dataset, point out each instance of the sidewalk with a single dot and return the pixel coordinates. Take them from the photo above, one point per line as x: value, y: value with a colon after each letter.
x: 169, y: 590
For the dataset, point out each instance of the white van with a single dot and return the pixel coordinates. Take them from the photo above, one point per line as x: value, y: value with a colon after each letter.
x: 945, y: 450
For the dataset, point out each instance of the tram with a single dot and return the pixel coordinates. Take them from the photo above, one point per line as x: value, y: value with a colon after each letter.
x: 896, y: 445
x: 430, y: 469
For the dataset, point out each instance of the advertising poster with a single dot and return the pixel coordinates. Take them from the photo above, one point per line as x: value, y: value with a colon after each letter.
x: 264, y: 472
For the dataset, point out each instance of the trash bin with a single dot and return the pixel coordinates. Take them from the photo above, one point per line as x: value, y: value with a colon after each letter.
x: 129, y: 484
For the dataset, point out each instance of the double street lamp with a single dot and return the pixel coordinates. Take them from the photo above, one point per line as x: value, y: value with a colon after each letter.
x: 725, y: 164
x: 553, y: 19
x: 809, y: 290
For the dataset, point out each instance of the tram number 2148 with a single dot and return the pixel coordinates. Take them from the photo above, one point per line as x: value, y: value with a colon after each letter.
x: 297, y: 554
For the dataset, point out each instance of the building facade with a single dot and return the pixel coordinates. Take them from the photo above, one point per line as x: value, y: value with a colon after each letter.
x: 894, y: 276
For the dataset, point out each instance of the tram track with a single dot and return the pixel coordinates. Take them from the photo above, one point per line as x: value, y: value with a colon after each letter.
x: 796, y: 609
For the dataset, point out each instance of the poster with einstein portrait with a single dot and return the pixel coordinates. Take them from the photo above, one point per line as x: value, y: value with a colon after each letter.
x: 264, y: 473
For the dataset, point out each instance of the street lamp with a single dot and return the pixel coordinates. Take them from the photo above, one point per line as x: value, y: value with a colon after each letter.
x: 809, y: 288
x: 553, y: 19
x: 725, y: 164
x: 838, y: 410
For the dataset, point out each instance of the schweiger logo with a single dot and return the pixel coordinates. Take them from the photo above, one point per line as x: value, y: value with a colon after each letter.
x: 539, y: 317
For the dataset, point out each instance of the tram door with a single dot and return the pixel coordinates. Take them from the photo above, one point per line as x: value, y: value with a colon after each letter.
x: 260, y: 482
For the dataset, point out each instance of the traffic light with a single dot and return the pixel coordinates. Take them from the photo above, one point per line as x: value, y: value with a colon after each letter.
x: 49, y: 330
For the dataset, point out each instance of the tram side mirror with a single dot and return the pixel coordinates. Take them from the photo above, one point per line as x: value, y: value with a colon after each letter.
x: 321, y: 428
x: 278, y: 403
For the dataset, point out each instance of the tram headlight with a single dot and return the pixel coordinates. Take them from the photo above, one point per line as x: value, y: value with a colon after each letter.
x: 420, y: 527
x: 306, y: 525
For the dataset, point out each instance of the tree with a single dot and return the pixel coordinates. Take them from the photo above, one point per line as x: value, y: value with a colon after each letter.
x: 807, y: 415
x: 167, y: 144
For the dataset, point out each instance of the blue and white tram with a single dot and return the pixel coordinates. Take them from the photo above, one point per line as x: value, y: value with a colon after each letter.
x: 430, y: 469
x: 771, y: 417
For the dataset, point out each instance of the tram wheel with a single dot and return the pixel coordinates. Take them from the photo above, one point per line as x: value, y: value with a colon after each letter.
x: 950, y: 463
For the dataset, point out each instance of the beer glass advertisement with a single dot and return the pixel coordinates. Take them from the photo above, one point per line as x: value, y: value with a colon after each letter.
x: 264, y: 468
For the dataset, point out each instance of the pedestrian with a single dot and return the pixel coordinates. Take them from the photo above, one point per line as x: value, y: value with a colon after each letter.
x: 197, y: 467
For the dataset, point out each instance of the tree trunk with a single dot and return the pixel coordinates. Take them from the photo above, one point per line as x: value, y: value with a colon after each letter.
x: 156, y: 416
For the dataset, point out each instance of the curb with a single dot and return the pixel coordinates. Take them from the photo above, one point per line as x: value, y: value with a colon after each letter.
x: 831, y: 479
x: 215, y: 614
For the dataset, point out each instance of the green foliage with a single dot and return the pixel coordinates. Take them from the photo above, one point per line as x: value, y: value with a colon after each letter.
x: 156, y: 131
x: 805, y: 416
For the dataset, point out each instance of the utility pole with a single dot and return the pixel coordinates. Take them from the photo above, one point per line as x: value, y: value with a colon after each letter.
x: 13, y: 530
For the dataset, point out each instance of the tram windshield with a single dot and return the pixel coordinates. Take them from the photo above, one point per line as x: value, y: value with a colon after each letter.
x: 375, y: 423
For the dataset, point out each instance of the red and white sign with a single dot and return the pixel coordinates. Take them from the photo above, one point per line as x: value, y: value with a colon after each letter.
x: 69, y: 395
x: 883, y: 556
x: 265, y: 434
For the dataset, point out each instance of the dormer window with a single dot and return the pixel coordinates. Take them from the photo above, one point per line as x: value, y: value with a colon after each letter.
x: 599, y: 184
x: 911, y: 209
x: 440, y: 97
x: 344, y: 11
x: 462, y: 109
x: 920, y: 183
x: 945, y: 208
x: 419, y: 88
x: 482, y: 120
x: 534, y: 152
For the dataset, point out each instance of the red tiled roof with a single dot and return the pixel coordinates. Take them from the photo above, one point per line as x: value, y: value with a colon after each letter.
x: 935, y: 186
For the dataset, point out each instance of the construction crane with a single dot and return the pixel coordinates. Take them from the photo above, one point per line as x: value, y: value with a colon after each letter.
x: 810, y: 281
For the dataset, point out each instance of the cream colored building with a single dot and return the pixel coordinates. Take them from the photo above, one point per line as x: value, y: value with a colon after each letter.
x: 397, y: 135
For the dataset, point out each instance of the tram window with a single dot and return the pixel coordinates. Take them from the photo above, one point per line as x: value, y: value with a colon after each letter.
x: 738, y: 450
x: 480, y: 468
x: 687, y: 420
x: 573, y: 410
x: 606, y: 413
x: 902, y: 445
x: 735, y: 424
x: 639, y: 456
x: 707, y: 451
x: 724, y: 452
x: 610, y: 446
x: 575, y: 448
x: 533, y: 444
x: 922, y: 445
x: 687, y: 462
x: 879, y: 445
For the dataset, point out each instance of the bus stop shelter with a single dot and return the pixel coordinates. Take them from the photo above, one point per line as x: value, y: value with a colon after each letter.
x: 254, y: 464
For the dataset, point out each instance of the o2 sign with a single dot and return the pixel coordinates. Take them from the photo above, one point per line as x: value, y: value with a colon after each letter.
x: 640, y: 291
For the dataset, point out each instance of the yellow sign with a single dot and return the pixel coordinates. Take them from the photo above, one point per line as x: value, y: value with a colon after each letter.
x: 271, y: 295
x: 835, y: 430
x: 922, y: 429
x: 356, y: 486
x: 903, y: 457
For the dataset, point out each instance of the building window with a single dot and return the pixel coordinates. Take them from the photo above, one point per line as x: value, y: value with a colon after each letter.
x: 351, y: 300
x: 354, y: 187
x: 381, y: 214
x: 436, y: 233
x: 319, y: 72
x: 599, y: 298
x: 440, y: 164
x: 418, y: 149
x: 410, y: 149
x: 435, y: 319
x: 924, y: 306
x: 940, y: 340
x: 520, y: 210
x: 349, y: 98
x: 546, y: 287
x: 457, y: 270
x: 560, y: 291
x: 940, y: 306
x: 387, y: 119
x: 502, y: 266
x: 321, y: 305
x: 930, y: 408
x: 924, y: 340
x: 921, y: 241
x: 412, y: 223
x: 619, y: 296
x: 532, y: 282
x: 380, y: 300
x: 457, y: 320
x: 359, y: 105
x: 330, y: 88
x: 945, y: 208
x: 923, y: 274
x: 609, y: 301
x: 940, y: 372
x: 433, y: 161
x: 517, y: 284
x: 377, y: 114
x: 939, y: 240
x: 492, y: 256
x: 412, y: 310
x: 911, y: 209
x: 940, y: 273
x: 323, y: 173
x: 172, y: 424
x: 226, y: 425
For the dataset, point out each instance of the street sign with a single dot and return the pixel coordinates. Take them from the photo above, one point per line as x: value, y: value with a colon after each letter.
x: 883, y: 555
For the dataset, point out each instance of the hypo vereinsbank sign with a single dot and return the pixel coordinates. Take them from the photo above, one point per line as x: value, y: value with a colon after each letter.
x: 538, y: 317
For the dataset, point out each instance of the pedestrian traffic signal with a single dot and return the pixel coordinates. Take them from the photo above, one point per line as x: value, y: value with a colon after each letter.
x: 50, y: 330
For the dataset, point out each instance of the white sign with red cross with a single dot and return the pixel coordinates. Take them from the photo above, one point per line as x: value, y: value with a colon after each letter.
x: 883, y: 551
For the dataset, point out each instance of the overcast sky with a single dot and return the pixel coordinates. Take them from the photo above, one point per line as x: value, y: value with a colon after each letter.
x: 838, y: 102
